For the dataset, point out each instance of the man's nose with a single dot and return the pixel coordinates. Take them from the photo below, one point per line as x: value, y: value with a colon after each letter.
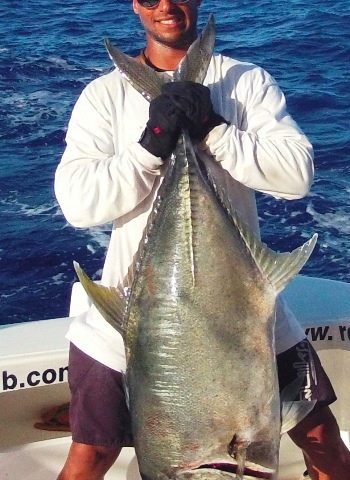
x: 165, y: 5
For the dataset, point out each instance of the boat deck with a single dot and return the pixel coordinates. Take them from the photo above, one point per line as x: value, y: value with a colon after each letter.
x: 33, y: 364
x: 43, y: 460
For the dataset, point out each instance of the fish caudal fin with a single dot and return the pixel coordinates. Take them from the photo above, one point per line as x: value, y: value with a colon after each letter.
x: 109, y: 301
x: 193, y: 67
x: 142, y: 77
x: 149, y: 83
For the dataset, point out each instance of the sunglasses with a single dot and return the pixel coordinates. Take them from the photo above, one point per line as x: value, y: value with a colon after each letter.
x: 155, y: 3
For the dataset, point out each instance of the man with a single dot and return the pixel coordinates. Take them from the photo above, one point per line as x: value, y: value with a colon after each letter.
x: 117, y: 150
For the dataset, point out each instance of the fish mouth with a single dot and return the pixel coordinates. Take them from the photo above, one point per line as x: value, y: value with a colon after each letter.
x: 232, y: 469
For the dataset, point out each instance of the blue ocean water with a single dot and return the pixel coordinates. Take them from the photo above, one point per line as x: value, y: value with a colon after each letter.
x: 50, y: 50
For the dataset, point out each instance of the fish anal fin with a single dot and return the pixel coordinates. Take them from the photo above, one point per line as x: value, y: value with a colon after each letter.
x: 109, y: 301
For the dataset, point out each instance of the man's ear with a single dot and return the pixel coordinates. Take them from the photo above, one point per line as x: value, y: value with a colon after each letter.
x: 135, y: 6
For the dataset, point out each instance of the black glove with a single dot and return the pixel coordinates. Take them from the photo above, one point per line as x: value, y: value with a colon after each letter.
x: 163, y: 127
x: 195, y: 102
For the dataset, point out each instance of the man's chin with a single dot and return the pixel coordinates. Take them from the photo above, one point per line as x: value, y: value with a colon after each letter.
x: 175, y: 40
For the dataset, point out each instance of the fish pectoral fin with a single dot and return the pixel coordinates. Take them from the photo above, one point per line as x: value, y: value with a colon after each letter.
x: 109, y: 301
x: 237, y: 445
x: 292, y: 412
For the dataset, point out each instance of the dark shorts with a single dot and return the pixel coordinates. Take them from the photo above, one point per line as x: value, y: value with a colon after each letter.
x: 99, y: 414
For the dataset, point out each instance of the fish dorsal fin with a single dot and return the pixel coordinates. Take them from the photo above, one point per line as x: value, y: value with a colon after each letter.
x: 109, y: 301
x: 278, y: 268
x: 148, y: 82
x: 195, y: 64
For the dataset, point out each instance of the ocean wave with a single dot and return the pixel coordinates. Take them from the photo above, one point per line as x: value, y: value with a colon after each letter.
x: 44, y: 65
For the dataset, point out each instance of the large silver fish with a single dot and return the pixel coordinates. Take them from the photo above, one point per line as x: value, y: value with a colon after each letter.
x: 197, y: 314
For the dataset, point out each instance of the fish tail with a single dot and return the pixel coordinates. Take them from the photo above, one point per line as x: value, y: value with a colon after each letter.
x: 193, y: 67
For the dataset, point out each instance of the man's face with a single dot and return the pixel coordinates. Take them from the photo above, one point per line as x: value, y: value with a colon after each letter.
x: 170, y: 24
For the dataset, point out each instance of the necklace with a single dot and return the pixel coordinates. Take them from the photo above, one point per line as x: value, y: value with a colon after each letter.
x: 148, y: 62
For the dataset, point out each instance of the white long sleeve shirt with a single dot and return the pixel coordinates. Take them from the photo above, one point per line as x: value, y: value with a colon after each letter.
x: 105, y: 175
